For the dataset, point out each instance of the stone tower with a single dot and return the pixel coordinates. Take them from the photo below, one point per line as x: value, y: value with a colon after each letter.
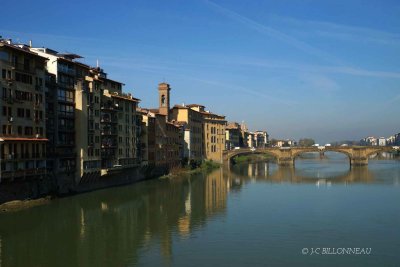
x: 163, y: 98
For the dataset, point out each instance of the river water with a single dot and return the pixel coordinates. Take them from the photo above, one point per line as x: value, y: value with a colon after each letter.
x: 255, y: 214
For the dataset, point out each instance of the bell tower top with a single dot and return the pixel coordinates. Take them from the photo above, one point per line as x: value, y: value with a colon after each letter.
x: 163, y: 98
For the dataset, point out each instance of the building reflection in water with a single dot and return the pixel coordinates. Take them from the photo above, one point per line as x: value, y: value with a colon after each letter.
x: 110, y: 227
x: 117, y: 226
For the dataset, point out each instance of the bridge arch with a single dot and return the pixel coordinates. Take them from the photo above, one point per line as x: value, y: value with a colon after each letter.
x: 297, y: 153
x: 249, y: 152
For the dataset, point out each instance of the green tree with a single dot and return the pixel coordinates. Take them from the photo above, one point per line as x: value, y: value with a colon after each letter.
x: 306, y: 142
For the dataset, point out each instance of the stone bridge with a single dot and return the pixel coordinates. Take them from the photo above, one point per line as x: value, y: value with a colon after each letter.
x: 358, y: 155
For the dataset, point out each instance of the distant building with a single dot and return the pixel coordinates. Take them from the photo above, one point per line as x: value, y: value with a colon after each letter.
x: 369, y: 141
x: 381, y: 141
x: 397, y: 139
x: 390, y: 141
x: 251, y: 139
x: 262, y: 139
x: 283, y: 143
x: 232, y: 135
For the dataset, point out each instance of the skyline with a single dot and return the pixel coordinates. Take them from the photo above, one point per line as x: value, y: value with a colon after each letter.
x: 315, y: 70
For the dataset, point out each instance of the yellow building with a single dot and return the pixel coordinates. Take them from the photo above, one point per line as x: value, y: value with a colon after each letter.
x: 22, y: 121
x: 192, y: 127
x: 213, y: 133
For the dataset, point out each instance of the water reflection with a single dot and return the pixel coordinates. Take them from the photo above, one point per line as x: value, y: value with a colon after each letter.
x: 272, y: 173
x: 111, y: 227
x: 117, y: 226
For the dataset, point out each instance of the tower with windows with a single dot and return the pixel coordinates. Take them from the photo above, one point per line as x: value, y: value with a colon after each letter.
x: 164, y: 100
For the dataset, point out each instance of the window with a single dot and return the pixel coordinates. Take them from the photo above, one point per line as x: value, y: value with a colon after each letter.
x: 24, y: 78
x: 28, y: 130
x: 65, y: 95
x: 23, y: 96
x: 28, y: 113
x: 5, y: 92
x: 163, y: 100
x: 4, y: 55
x: 20, y: 112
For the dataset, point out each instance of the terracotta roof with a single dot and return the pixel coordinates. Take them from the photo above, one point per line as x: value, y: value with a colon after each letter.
x: 213, y: 114
x: 154, y: 110
x: 112, y: 80
x: 126, y: 98
x: 23, y: 139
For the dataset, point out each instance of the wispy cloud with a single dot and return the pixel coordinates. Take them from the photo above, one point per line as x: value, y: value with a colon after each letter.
x: 319, y: 69
x: 274, y: 33
x: 320, y: 82
x: 340, y: 31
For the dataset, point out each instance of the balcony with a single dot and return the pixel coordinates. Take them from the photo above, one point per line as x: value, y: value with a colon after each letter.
x: 67, y: 71
x: 23, y: 67
x: 110, y: 108
x: 109, y: 132
x: 109, y: 145
x: 109, y: 120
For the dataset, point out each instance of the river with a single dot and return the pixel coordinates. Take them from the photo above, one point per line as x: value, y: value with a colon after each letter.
x: 254, y: 214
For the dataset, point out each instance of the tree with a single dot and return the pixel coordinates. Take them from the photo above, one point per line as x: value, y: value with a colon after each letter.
x: 306, y: 142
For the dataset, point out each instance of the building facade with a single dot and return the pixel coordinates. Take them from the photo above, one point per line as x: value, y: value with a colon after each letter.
x: 262, y: 139
x: 22, y: 122
x: 232, y: 135
x: 214, y: 126
x: 192, y: 127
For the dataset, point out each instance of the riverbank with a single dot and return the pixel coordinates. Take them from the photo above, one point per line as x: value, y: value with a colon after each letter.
x: 17, y: 205
x: 206, y: 166
x: 20, y: 204
x: 253, y: 158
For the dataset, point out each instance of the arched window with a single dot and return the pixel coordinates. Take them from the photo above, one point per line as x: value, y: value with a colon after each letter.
x: 163, y: 100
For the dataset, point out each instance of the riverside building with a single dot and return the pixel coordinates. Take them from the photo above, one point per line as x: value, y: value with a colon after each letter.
x: 22, y: 122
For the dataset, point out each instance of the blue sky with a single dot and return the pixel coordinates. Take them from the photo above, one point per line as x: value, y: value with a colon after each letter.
x: 323, y: 69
